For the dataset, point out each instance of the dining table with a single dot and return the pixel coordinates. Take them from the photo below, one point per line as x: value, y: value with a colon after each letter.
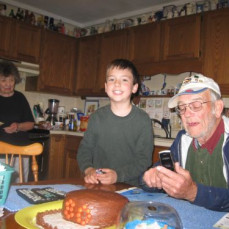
x: 7, y: 221
x: 191, y: 216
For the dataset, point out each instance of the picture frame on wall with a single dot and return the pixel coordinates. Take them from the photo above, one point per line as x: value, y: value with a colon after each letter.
x: 90, y: 106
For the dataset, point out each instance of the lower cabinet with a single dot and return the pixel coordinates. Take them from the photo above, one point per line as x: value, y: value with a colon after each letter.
x: 71, y: 169
x: 62, y: 156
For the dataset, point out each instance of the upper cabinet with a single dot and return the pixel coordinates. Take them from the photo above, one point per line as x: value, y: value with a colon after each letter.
x: 58, y: 60
x: 145, y: 43
x: 6, y: 36
x: 94, y: 54
x: 216, y: 47
x: 19, y: 41
x: 113, y: 45
x: 170, y: 46
x: 87, y: 66
x: 181, y: 38
x: 28, y: 41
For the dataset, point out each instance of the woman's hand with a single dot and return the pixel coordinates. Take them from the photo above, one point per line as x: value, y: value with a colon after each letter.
x: 13, y: 128
x: 16, y: 127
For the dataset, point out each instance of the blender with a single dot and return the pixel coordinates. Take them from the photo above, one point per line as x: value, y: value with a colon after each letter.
x: 52, y: 110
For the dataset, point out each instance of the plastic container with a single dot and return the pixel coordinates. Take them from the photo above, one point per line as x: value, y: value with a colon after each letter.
x: 143, y: 214
x: 5, y: 177
x: 83, y: 123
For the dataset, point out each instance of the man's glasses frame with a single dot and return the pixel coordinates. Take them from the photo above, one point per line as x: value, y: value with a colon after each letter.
x: 193, y: 106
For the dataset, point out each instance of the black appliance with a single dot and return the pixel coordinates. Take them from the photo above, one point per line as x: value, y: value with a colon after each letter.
x: 42, y: 136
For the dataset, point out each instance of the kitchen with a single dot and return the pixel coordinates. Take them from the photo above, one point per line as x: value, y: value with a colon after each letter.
x: 73, y: 96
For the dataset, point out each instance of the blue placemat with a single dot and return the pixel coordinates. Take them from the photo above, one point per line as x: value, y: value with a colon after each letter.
x: 14, y: 202
x: 192, y: 216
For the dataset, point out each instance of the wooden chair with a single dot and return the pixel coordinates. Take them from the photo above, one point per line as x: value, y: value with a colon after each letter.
x: 10, y: 151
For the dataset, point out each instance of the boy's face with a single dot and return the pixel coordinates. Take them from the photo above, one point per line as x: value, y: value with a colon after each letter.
x: 119, y: 84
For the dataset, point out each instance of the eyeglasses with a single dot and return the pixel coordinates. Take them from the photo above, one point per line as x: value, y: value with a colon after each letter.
x: 194, y: 106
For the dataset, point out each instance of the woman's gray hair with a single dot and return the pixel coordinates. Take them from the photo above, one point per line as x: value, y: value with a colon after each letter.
x: 7, y: 69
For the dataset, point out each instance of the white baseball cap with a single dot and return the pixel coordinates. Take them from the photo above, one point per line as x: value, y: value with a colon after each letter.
x: 194, y: 84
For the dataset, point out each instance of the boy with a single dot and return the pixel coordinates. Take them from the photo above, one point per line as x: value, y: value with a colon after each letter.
x: 118, y: 144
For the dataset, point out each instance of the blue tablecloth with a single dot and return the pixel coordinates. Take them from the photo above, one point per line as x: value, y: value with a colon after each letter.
x: 192, y: 216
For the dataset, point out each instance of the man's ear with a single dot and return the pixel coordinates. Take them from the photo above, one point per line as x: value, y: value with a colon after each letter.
x: 105, y: 85
x: 219, y: 105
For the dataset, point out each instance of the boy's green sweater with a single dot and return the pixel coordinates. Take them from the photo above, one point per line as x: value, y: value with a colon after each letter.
x: 124, y: 144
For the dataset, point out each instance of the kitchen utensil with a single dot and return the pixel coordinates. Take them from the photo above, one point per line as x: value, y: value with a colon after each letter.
x: 52, y: 110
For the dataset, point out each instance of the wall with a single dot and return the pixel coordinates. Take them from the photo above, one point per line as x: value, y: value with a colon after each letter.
x: 69, y: 102
x: 37, y: 98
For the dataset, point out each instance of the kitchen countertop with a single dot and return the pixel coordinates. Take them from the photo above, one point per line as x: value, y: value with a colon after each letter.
x: 157, y: 141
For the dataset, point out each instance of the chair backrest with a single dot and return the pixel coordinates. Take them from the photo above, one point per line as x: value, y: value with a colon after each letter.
x: 33, y: 150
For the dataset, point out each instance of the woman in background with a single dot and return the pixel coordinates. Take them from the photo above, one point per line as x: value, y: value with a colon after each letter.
x: 15, y: 114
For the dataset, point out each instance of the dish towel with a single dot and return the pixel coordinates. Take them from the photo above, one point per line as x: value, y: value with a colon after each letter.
x: 14, y: 202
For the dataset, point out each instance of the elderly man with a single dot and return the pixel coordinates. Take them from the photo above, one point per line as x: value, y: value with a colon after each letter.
x: 200, y: 151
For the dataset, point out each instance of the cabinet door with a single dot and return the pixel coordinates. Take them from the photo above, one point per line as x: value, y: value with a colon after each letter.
x: 56, y: 157
x: 71, y: 165
x: 87, y: 62
x: 28, y: 40
x: 216, y: 47
x: 113, y: 45
x: 181, y: 38
x: 57, y: 68
x: 145, y: 43
x: 5, y: 36
x: 145, y: 47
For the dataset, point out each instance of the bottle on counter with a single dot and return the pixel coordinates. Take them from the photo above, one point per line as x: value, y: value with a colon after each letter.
x: 75, y: 125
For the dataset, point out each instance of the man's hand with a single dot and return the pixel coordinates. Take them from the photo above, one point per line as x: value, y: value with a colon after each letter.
x: 151, y: 178
x: 177, y: 184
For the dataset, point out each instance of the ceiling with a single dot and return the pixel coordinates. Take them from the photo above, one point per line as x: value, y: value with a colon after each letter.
x: 83, y: 13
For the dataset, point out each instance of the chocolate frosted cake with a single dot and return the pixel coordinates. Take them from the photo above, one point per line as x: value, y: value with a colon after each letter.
x: 89, y: 208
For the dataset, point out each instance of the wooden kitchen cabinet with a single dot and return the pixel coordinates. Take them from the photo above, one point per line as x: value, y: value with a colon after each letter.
x: 113, y: 45
x: 171, y: 46
x: 216, y: 47
x: 181, y: 38
x: 87, y: 66
x: 19, y: 41
x: 62, y: 156
x: 145, y: 43
x: 58, y: 59
x: 28, y: 42
x: 56, y: 157
x: 145, y: 46
x: 6, y: 36
x: 72, y: 169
